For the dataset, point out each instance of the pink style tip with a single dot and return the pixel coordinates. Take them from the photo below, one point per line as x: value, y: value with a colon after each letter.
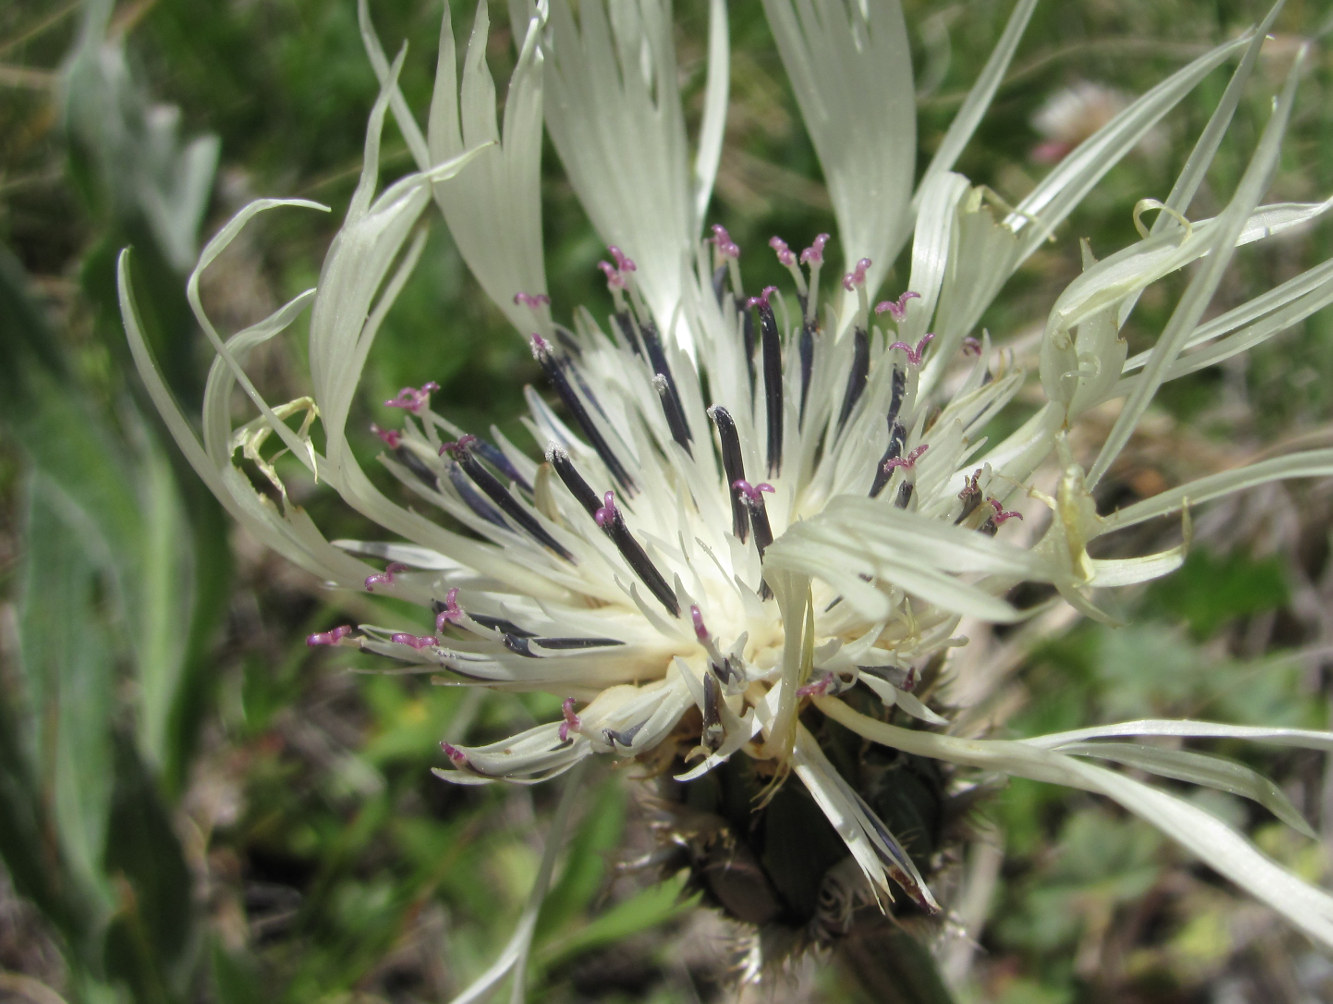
x: 753, y: 494
x: 857, y: 276
x: 814, y: 254
x: 700, y: 631
x: 463, y: 442
x: 762, y: 298
x: 330, y: 637
x: 452, y: 612
x: 416, y: 641
x: 623, y: 261
x: 816, y: 689
x: 456, y: 756
x: 1001, y: 514
x: 726, y: 247
x: 608, y: 511
x: 384, y: 578
x: 914, y: 353
x: 571, y: 721
x: 897, y: 309
x: 413, y: 398
x: 907, y: 462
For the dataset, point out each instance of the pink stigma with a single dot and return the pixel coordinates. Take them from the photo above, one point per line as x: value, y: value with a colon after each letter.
x: 614, y: 280
x: 615, y: 274
x: 411, y: 398
x: 856, y: 277
x: 391, y: 438
x: 608, y: 512
x: 452, y: 612
x: 415, y: 641
x: 623, y: 261
x: 914, y: 355
x: 697, y: 616
x: 897, y: 308
x: 753, y: 493
x: 907, y: 462
x: 814, y: 254
x: 456, y: 756
x: 540, y: 346
x: 970, y: 485
x: 1000, y: 514
x: 726, y: 247
x: 762, y: 298
x: 817, y: 689
x: 571, y: 722
x: 971, y: 347
x: 532, y: 300
x: 785, y: 255
x: 384, y: 578
x: 458, y: 445
x: 331, y: 637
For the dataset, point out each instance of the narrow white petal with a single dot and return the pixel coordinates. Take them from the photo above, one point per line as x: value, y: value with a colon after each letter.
x: 1064, y: 188
x: 1110, y: 573
x: 712, y: 128
x: 402, y: 114
x: 1190, y: 729
x: 614, y: 114
x: 1230, y: 225
x: 876, y: 850
x: 862, y: 547
x: 1250, y: 324
x: 1199, y: 768
x: 217, y: 412
x: 493, y: 207
x: 1220, y: 847
x: 528, y: 758
x: 978, y: 99
x: 1128, y: 271
x: 984, y: 254
x: 935, y: 250
x: 850, y: 66
x: 1306, y: 464
x: 366, y: 267
x: 1205, y: 149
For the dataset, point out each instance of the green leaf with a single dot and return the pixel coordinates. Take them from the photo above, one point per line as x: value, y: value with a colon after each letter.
x: 67, y: 671
x: 162, y: 574
x: 641, y: 912
x: 148, y: 939
x: 34, y: 859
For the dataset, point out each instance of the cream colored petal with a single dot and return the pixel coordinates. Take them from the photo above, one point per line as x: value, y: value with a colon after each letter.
x: 850, y: 65
x: 493, y: 206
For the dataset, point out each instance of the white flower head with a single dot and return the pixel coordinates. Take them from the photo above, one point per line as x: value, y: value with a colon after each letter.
x: 754, y: 508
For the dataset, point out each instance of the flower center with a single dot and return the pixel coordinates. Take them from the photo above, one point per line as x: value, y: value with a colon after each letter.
x: 645, y: 531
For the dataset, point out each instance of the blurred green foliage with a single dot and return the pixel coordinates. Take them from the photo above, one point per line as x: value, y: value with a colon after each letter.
x: 197, y: 809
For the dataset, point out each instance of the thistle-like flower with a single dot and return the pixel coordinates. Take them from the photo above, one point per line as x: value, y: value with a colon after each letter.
x: 757, y: 514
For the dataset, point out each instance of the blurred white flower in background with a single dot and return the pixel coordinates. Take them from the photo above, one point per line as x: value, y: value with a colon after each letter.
x: 752, y: 511
x: 1072, y: 114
